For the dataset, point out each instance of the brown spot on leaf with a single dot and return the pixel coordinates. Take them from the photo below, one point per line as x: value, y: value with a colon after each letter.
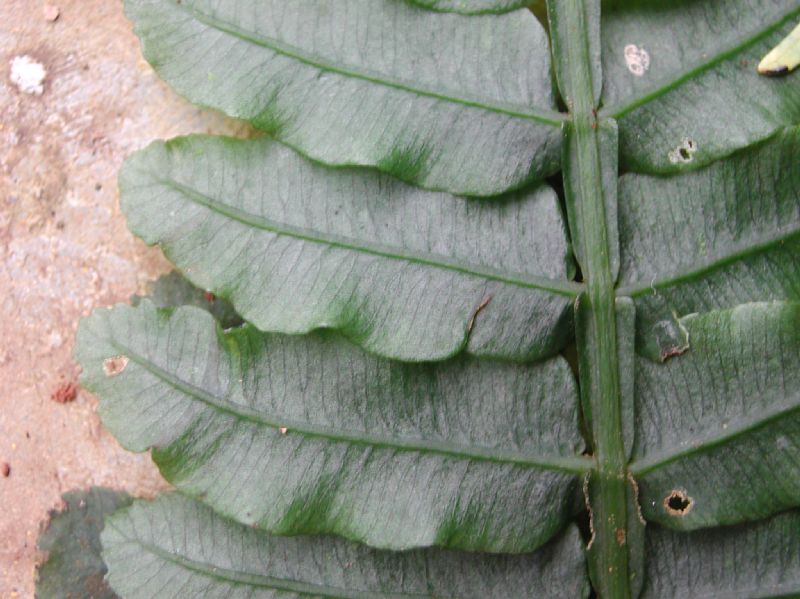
x: 620, y: 534
x: 114, y: 365
x: 635, y: 487
x: 678, y: 503
x: 5, y: 469
x: 484, y: 302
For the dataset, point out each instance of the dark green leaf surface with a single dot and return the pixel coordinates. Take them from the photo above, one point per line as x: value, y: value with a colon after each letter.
x: 721, y: 423
x: 700, y: 96
x: 174, y: 547
x: 687, y: 324
x: 446, y: 101
x: 473, y: 7
x: 755, y: 561
x: 407, y: 274
x: 715, y: 238
x: 310, y: 434
x: 173, y: 290
x: 73, y: 568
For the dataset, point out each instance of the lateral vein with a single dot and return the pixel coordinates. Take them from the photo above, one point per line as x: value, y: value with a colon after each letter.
x: 619, y: 110
x: 551, y: 117
x: 739, y: 251
x: 260, y: 580
x: 564, y: 288
x: 568, y: 464
x: 698, y: 445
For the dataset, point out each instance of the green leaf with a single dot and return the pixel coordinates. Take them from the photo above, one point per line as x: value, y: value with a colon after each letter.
x: 473, y: 7
x: 686, y: 321
x: 718, y: 428
x: 407, y: 274
x: 173, y: 290
x: 311, y: 435
x: 73, y: 566
x: 449, y: 102
x: 174, y: 547
x: 681, y: 78
x: 712, y: 239
x: 742, y: 562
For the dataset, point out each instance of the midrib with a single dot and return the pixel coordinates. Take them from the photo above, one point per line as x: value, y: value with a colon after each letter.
x: 597, y: 320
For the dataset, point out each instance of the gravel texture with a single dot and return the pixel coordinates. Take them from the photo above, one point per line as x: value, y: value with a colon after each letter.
x: 65, y: 248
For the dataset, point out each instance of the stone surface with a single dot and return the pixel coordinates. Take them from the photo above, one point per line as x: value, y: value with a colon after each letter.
x: 64, y: 249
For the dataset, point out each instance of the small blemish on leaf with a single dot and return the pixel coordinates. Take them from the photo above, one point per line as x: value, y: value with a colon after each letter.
x: 620, y: 534
x: 283, y: 430
x: 481, y: 306
x: 114, y: 365
x: 678, y: 503
x: 684, y: 153
x: 637, y: 59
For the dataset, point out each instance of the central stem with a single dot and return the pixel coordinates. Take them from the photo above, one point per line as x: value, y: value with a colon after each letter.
x: 590, y: 173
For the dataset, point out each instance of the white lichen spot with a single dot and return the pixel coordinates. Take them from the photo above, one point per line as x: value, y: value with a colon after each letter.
x: 684, y: 152
x: 28, y: 75
x: 637, y: 59
x: 114, y: 365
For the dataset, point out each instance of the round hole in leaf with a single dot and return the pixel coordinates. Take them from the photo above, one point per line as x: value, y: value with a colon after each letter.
x: 678, y: 503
